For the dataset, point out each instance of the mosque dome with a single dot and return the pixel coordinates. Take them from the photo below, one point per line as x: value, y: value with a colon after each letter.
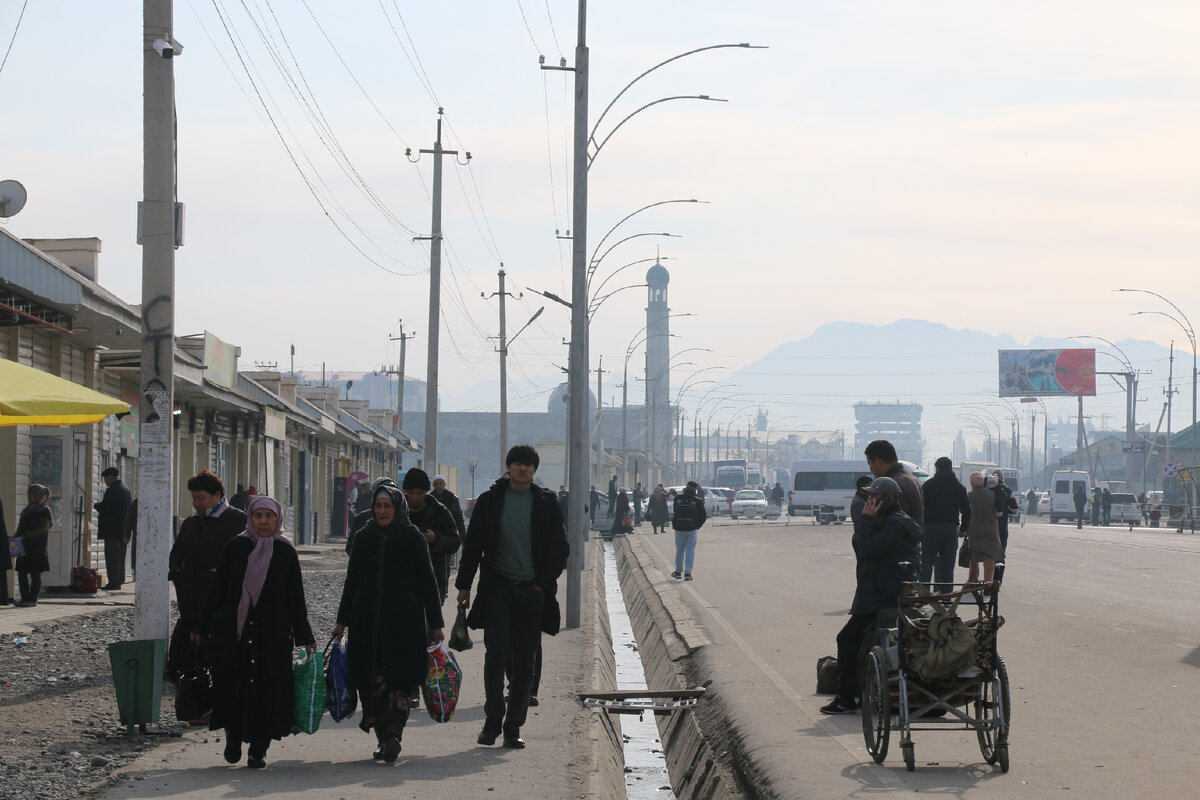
x: 557, y: 403
x: 658, y: 275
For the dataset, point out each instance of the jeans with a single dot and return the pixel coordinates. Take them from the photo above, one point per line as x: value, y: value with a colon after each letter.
x: 685, y: 551
x: 511, y: 635
x: 939, y: 552
x: 114, y: 561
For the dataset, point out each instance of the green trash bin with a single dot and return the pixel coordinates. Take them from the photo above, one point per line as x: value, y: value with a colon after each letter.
x: 137, y: 668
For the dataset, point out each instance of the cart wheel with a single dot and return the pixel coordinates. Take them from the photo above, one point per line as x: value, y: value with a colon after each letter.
x: 992, y: 716
x: 876, y: 705
x: 910, y: 758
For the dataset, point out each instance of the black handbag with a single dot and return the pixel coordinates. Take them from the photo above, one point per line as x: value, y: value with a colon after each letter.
x: 964, y: 553
x: 193, y: 691
x: 460, y: 638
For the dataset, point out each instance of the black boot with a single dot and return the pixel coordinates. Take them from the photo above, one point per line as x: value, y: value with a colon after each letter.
x: 391, y: 746
x: 381, y: 738
x: 233, y: 747
x: 256, y: 756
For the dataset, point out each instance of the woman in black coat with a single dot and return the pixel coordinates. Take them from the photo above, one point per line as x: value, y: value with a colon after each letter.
x: 254, y: 615
x: 619, y: 515
x: 34, y: 526
x: 390, y: 603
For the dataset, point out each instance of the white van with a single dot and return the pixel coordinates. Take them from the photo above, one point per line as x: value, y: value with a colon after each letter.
x: 1062, y: 494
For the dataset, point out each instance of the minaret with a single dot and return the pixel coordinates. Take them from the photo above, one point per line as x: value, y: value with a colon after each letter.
x: 658, y: 377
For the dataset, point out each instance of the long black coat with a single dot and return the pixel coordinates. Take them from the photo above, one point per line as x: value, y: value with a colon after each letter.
x: 550, y: 550
x: 112, y: 508
x: 195, y: 555
x: 257, y: 670
x: 391, y: 605
x: 450, y: 500
x: 880, y: 549
x: 437, y: 518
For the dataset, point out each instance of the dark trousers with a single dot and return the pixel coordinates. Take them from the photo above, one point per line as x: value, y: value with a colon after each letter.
x: 4, y: 598
x: 637, y: 512
x: 537, y: 671
x: 939, y: 551
x: 30, y: 584
x: 114, y: 561
x: 1003, y: 525
x: 848, y: 641
x: 612, y: 501
x: 511, y: 634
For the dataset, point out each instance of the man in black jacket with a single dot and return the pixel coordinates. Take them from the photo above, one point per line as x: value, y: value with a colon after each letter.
x: 947, y: 514
x: 450, y: 500
x: 111, y: 526
x: 435, y: 523
x: 891, y: 537
x: 517, y: 542
x: 884, y: 463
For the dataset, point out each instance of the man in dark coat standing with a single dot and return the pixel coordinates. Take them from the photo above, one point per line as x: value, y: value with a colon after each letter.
x: 518, y: 544
x: 889, y: 537
x: 435, y: 523
x: 194, y: 557
x: 884, y: 463
x: 111, y: 526
x: 947, y: 515
x: 450, y: 500
x: 612, y: 494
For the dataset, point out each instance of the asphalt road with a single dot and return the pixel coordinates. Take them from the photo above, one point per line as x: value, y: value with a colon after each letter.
x: 1101, y: 641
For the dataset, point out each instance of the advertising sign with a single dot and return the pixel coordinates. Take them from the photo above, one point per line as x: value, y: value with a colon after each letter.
x: 1048, y: 373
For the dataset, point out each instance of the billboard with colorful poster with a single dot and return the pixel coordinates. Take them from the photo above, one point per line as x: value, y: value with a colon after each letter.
x: 1048, y: 373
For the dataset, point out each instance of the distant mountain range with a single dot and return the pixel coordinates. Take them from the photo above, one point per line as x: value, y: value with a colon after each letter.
x: 813, y: 383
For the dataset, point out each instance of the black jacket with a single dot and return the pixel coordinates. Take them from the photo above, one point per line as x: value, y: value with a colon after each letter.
x: 390, y: 604
x: 946, y: 499
x: 550, y: 551
x: 910, y: 492
x: 195, y: 555
x: 699, y: 515
x: 110, y: 521
x: 880, y: 550
x: 437, y: 518
x: 452, y: 504
x: 260, y: 664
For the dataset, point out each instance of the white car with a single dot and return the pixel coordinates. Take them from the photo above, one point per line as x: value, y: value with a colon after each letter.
x: 1043, y: 503
x: 1125, y: 509
x: 752, y: 504
x: 714, y: 504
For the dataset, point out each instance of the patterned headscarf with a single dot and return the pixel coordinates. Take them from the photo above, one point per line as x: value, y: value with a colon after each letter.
x: 260, y: 557
x: 394, y: 494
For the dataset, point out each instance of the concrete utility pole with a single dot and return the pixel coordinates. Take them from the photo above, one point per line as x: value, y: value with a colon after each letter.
x: 503, y: 364
x: 599, y: 420
x: 158, y: 237
x: 429, y: 446
x: 399, y: 372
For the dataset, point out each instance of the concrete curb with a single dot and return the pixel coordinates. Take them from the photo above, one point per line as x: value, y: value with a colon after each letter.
x: 668, y: 639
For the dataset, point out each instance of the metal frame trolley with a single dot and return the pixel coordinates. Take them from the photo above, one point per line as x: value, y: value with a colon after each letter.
x: 938, y: 671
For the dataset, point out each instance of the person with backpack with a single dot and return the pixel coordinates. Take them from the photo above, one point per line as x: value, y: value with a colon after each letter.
x: 688, y: 518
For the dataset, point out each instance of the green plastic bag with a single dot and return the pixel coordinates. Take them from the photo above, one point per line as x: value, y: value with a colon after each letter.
x: 308, y: 678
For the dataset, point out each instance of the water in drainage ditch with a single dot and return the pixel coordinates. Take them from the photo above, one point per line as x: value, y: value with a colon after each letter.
x: 646, y: 776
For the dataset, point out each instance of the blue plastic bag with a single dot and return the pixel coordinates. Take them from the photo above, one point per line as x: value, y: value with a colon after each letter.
x: 340, y: 698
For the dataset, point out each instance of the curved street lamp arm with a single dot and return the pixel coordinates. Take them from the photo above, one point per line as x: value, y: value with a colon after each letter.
x: 628, y: 86
x: 1191, y: 332
x: 596, y: 303
x: 626, y: 218
x: 1187, y: 329
x: 1124, y: 358
x: 592, y: 265
x: 596, y: 293
x: 631, y: 115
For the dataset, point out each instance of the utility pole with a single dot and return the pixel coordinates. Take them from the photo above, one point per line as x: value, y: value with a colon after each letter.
x: 503, y: 363
x: 399, y: 372
x: 429, y: 446
x: 158, y: 239
x: 599, y: 420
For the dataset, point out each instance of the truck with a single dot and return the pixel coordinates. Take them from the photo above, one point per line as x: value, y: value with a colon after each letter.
x: 730, y: 473
x: 754, y: 477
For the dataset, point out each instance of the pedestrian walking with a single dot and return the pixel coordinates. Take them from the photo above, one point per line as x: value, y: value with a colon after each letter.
x: 1031, y: 502
x: 1005, y: 504
x: 638, y: 497
x: 436, y: 524
x: 33, y: 528
x: 518, y: 544
x: 252, y: 619
x: 777, y: 495
x: 240, y: 499
x: 889, y: 539
x: 1080, y: 499
x: 1097, y: 504
x: 1106, y: 501
x: 983, y: 532
x: 450, y: 500
x: 390, y: 605
x: 612, y: 494
x: 689, y: 516
x: 593, y: 502
x: 110, y: 525
x: 656, y: 508
x: 194, y: 558
x: 622, y: 521
x: 947, y: 516
x: 360, y: 520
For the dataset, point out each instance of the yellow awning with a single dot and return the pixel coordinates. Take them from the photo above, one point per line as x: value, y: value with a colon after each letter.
x: 32, y: 397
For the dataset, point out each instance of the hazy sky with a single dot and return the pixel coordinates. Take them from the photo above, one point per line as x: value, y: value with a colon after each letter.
x: 996, y: 166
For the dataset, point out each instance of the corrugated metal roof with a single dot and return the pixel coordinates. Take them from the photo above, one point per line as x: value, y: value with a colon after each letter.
x: 34, y: 272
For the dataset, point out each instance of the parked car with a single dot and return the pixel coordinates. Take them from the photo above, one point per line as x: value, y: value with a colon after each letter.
x: 713, y: 502
x: 1043, y: 503
x: 751, y: 504
x: 728, y: 498
x: 1125, y: 509
x: 723, y: 498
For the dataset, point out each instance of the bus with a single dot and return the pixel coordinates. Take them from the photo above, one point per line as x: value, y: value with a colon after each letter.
x: 823, y: 485
x: 754, y: 478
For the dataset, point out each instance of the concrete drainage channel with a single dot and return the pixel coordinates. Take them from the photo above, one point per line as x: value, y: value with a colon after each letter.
x: 636, y: 613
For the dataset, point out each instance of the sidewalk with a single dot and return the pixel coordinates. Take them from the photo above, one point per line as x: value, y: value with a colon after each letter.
x: 57, y: 606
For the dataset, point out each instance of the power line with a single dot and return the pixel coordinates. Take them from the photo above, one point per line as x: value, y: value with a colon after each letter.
x: 13, y: 40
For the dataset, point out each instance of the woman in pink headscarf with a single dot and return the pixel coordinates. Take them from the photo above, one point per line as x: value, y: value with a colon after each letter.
x: 254, y: 615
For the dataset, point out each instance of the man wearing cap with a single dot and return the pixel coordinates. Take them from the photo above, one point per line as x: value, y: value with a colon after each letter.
x: 434, y: 522
x: 889, y: 538
x: 518, y: 544
x: 111, y: 526
x: 947, y: 515
x: 884, y: 463
x: 450, y: 500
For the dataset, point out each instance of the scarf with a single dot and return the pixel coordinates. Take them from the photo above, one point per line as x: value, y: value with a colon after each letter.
x: 260, y: 557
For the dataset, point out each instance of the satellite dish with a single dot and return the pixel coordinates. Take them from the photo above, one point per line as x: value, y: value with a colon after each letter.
x: 12, y: 198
